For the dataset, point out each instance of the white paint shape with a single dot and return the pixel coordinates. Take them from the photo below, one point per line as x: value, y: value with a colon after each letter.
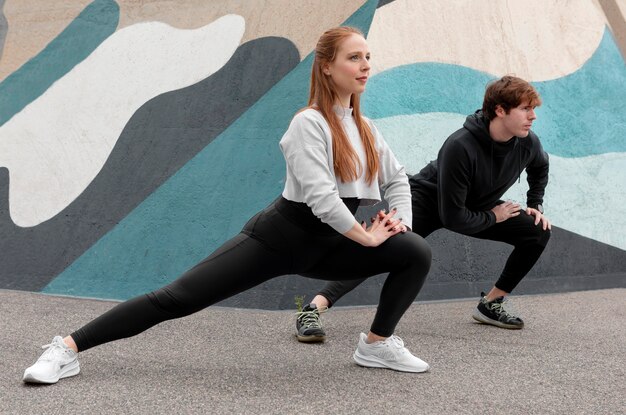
x: 416, y: 139
x: 58, y: 144
x: 534, y: 39
x: 585, y: 195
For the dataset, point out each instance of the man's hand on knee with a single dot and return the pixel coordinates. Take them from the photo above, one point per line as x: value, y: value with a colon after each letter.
x: 539, y: 217
x: 506, y: 210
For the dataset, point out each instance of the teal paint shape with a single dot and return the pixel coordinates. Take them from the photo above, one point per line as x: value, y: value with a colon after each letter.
x: 583, y: 113
x: 425, y: 87
x: 203, y: 204
x: 362, y: 18
x: 77, y: 41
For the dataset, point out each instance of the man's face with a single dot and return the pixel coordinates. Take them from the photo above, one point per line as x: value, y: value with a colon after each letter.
x: 519, y: 120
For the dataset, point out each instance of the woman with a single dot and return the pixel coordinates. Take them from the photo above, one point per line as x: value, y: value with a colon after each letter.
x: 335, y: 160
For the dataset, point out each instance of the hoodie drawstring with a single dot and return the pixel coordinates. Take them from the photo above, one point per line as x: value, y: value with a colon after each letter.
x: 519, y: 160
x: 491, y: 167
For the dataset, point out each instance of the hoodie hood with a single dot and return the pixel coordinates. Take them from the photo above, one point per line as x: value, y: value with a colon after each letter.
x: 478, y: 125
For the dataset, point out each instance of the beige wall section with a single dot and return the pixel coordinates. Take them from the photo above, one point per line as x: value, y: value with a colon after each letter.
x: 301, y: 21
x: 32, y: 24
x: 535, y: 39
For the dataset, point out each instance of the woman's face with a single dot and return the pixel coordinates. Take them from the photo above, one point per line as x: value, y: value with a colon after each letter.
x: 350, y: 69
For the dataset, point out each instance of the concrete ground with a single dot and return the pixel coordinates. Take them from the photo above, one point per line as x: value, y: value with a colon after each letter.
x: 568, y: 360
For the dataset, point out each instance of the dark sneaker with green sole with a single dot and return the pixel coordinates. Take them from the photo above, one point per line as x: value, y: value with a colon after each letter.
x: 497, y: 312
x: 308, y: 324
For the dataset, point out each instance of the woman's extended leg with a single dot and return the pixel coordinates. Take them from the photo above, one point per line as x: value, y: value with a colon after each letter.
x: 240, y: 264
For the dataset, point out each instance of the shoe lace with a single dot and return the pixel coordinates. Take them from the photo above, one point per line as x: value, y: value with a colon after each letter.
x: 311, y: 318
x: 505, y: 308
x: 54, y: 350
x: 395, y: 342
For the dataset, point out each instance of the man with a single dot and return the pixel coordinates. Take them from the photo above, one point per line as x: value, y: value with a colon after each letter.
x: 461, y: 191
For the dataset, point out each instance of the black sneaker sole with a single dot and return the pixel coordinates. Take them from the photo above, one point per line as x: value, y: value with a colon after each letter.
x: 481, y: 318
x: 310, y: 338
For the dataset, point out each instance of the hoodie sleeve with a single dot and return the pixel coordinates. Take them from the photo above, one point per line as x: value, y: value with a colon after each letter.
x: 454, y: 179
x: 537, y: 174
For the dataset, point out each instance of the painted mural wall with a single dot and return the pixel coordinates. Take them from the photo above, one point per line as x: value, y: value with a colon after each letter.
x: 136, y: 137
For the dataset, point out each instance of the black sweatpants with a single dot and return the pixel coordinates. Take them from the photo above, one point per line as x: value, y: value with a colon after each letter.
x: 520, y: 231
x: 285, y: 238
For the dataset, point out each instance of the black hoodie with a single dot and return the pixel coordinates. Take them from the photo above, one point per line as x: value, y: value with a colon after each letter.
x: 472, y: 172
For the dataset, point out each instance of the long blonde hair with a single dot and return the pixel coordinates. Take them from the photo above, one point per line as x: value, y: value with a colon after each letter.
x: 322, y: 97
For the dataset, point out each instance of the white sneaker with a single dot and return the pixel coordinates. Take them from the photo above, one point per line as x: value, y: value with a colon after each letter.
x: 57, y: 362
x: 390, y: 354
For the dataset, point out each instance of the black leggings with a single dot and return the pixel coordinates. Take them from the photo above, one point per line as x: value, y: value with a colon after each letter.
x: 273, y: 244
x: 520, y: 231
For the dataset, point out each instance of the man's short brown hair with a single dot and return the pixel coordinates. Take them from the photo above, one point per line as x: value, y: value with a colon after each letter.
x: 508, y: 92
